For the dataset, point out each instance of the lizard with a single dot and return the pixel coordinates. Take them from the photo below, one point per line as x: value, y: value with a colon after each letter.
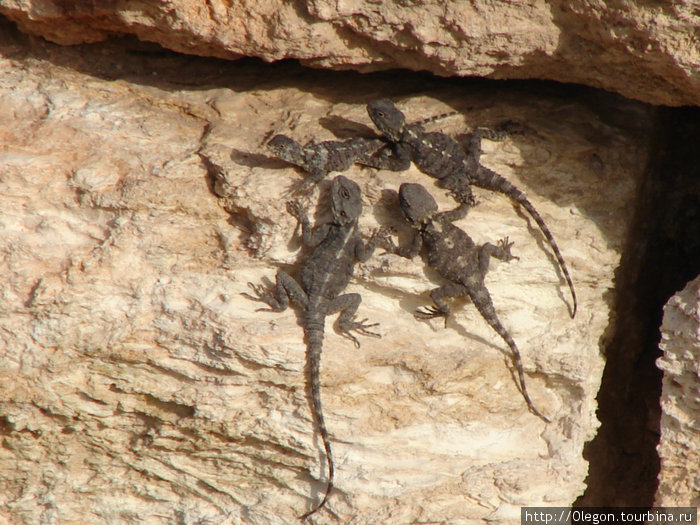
x: 318, y: 159
x: 451, y: 252
x: 337, y: 245
x: 442, y: 157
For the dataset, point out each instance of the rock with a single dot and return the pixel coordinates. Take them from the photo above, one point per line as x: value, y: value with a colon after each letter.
x: 679, y: 447
x: 139, y: 201
x: 644, y: 51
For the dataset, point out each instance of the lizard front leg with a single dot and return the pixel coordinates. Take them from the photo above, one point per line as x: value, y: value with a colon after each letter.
x: 500, y: 252
x: 408, y: 250
x: 310, y: 236
x: 395, y: 157
x: 454, y: 215
x: 499, y: 133
x: 380, y: 237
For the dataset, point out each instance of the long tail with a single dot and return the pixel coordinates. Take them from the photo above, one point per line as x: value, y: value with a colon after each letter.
x: 314, y: 342
x: 483, y: 303
x: 485, y: 178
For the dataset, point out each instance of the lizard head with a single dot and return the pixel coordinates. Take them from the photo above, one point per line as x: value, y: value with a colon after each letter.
x: 388, y: 119
x: 416, y: 203
x: 286, y: 149
x: 346, y: 200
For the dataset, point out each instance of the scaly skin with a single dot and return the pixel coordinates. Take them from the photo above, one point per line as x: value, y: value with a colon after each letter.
x: 318, y: 159
x: 324, y: 275
x: 440, y: 156
x: 455, y: 256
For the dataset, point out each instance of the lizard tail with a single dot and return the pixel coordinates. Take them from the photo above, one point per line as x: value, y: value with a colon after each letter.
x: 491, y: 180
x: 483, y: 303
x: 314, y: 341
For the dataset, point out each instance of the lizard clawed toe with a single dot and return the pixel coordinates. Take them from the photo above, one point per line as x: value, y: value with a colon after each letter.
x: 263, y: 294
x: 352, y: 338
x: 260, y: 292
x: 295, y: 209
x: 506, y: 244
x: 429, y: 312
x: 361, y: 327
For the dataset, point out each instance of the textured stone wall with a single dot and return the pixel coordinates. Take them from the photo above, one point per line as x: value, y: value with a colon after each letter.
x: 139, y: 384
x: 679, y: 447
x: 643, y: 50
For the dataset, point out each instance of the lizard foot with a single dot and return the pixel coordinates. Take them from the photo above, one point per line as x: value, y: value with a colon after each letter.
x: 361, y: 327
x: 464, y: 197
x: 431, y: 312
x: 263, y: 294
x: 506, y: 244
x: 296, y: 210
x: 460, y: 190
x: 382, y: 236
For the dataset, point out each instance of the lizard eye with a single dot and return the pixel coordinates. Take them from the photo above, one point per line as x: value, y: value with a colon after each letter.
x: 345, y: 194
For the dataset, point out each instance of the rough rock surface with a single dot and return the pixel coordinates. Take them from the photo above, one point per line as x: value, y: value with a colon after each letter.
x: 679, y: 447
x: 643, y: 50
x: 139, y: 385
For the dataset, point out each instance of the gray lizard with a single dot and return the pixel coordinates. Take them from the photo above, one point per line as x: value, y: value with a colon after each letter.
x: 324, y: 275
x: 455, y: 256
x: 442, y: 157
x: 318, y: 159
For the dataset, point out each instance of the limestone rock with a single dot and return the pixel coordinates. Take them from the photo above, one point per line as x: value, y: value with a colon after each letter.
x: 679, y: 447
x: 139, y: 384
x: 648, y: 51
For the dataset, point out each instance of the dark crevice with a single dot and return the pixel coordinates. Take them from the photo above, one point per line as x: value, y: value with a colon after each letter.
x: 662, y: 255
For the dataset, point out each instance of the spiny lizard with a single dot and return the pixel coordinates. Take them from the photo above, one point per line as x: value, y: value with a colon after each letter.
x: 454, y: 255
x: 442, y: 157
x: 324, y: 275
x: 318, y: 159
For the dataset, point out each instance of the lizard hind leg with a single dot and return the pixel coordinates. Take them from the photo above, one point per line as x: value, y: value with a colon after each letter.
x: 348, y: 304
x: 441, y: 308
x: 499, y: 133
x: 277, y: 297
